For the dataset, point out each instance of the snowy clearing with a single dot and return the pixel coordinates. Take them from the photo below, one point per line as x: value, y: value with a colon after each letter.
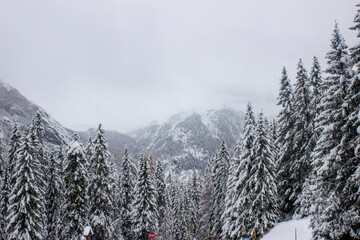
x: 286, y: 230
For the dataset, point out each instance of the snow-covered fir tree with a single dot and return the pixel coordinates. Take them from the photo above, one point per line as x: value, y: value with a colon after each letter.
x: 127, y: 187
x: 226, y: 218
x: 160, y: 194
x: 349, y: 173
x: 101, y: 188
x: 4, y: 190
x: 206, y: 203
x: 194, y: 206
x: 305, y: 199
x: 144, y: 215
x: 60, y: 160
x: 262, y: 186
x: 14, y: 146
x: 237, y: 201
x: 53, y: 198
x: 325, y: 155
x: 75, y: 208
x: 220, y: 176
x: 179, y: 210
x: 302, y: 134
x: 285, y: 141
x: 27, y: 210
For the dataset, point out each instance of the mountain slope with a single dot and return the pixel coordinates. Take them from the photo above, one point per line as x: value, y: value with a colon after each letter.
x: 186, y: 141
x: 16, y: 108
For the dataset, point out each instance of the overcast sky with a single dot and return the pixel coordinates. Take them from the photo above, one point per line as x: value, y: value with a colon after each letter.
x: 127, y: 63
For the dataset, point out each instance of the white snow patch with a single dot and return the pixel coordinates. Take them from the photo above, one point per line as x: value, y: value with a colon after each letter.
x: 87, y: 230
x: 286, y: 230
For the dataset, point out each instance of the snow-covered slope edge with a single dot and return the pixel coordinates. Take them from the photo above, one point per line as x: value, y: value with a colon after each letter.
x: 286, y: 230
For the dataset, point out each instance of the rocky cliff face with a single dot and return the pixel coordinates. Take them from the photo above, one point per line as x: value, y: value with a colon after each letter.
x: 186, y: 141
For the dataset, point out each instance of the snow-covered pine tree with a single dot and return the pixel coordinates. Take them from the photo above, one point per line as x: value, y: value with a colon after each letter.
x: 53, y: 197
x: 36, y: 134
x: 171, y: 191
x: 235, y: 223
x: 160, y: 193
x: 347, y: 221
x: 75, y: 208
x: 101, y: 188
x: 9, y: 178
x: 226, y: 218
x: 194, y: 208
x: 206, y: 203
x: 305, y: 199
x: 89, y: 149
x: 220, y: 176
x: 60, y: 160
x: 27, y: 210
x: 262, y: 186
x: 301, y: 134
x: 325, y: 155
x: 286, y: 122
x: 144, y: 207
x: 4, y: 190
x: 317, y: 86
x: 14, y: 146
x: 127, y: 187
x: 180, y: 214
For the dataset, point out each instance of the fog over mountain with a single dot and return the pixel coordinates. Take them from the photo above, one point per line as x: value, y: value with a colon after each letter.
x: 185, y: 141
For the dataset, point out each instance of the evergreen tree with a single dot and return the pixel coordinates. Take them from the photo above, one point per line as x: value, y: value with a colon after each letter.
x: 306, y: 198
x: 206, y: 203
x: 144, y: 211
x: 14, y: 146
x: 4, y: 191
x: 325, y: 155
x: 262, y: 186
x: 26, y: 210
x: 180, y: 218
x: 194, y: 206
x: 75, y: 208
x: 226, y: 218
x: 285, y: 140
x: 301, y: 134
x: 53, y: 198
x: 101, y: 188
x: 317, y: 87
x: 127, y: 186
x: 236, y: 217
x: 160, y: 190
x: 220, y: 177
x: 60, y: 163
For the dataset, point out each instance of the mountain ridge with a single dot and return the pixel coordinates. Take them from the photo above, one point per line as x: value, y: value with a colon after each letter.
x: 185, y: 141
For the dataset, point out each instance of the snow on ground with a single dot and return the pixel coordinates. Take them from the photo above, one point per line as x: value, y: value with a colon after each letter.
x: 286, y: 230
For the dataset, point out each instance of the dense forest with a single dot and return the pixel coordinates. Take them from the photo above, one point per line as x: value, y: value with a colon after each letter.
x: 304, y: 163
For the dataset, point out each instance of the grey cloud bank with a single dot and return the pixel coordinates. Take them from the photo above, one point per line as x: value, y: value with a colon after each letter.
x: 126, y: 63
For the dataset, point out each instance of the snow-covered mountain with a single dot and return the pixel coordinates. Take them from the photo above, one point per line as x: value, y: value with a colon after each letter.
x: 185, y: 141
x: 14, y: 107
x: 188, y: 140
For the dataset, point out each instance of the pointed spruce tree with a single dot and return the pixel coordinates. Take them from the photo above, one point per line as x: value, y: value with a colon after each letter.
x: 144, y: 216
x: 262, y: 186
x: 220, y: 177
x: 127, y: 187
x: 75, y: 207
x: 330, y: 122
x: 101, y: 188
x: 26, y: 211
x: 286, y: 122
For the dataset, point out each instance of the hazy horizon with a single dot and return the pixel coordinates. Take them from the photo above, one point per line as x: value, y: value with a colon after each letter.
x: 128, y: 63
